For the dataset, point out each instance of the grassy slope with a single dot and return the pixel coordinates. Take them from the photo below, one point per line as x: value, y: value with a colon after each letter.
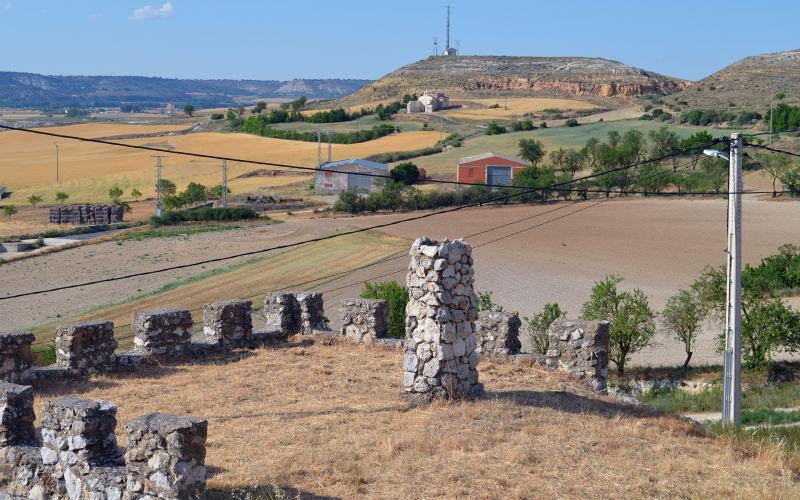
x: 256, y: 277
x: 327, y: 420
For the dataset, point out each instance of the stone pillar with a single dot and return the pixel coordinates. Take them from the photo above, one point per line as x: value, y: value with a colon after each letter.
x: 282, y: 312
x: 16, y: 361
x: 16, y: 414
x: 164, y: 334
x: 229, y: 322
x: 166, y: 456
x: 79, y: 432
x: 580, y: 348
x: 312, y: 312
x: 497, y: 333
x: 86, y: 347
x: 364, y: 320
x: 440, y: 358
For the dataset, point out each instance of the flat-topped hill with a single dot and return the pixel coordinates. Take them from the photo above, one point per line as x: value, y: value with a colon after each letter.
x: 476, y: 76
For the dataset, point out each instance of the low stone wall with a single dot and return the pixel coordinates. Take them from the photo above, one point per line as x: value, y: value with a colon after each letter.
x: 87, y: 347
x: 16, y: 360
x: 497, y: 333
x: 78, y: 456
x: 87, y: 214
x: 228, y: 323
x: 580, y: 348
x: 164, y: 334
x: 293, y: 313
x: 440, y: 358
x: 364, y: 320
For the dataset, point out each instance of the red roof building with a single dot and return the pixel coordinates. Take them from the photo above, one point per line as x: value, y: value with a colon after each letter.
x: 491, y: 169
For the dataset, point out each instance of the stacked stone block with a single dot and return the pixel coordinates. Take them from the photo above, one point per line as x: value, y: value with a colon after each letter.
x: 86, y: 348
x: 16, y: 361
x: 228, y: 323
x: 497, y: 333
x: 16, y: 414
x: 165, y: 333
x: 79, y: 432
x: 293, y: 313
x: 364, y: 320
x: 580, y: 348
x: 166, y: 456
x: 440, y: 358
x: 98, y: 214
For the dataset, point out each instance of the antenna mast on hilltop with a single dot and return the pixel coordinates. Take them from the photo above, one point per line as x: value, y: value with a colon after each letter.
x: 448, y: 50
x: 435, y: 46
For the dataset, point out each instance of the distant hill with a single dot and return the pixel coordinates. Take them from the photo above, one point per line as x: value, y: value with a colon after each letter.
x: 28, y: 90
x: 476, y: 76
x: 745, y: 84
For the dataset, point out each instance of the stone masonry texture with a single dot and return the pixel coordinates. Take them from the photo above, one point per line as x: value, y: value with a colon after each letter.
x: 498, y: 333
x: 580, y: 348
x: 229, y: 322
x: 98, y: 214
x: 16, y: 361
x: 16, y: 414
x: 440, y: 358
x: 364, y: 320
x: 86, y: 347
x: 164, y: 333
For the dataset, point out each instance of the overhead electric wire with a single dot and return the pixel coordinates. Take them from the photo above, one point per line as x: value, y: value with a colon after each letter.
x: 553, y: 187
x: 774, y: 150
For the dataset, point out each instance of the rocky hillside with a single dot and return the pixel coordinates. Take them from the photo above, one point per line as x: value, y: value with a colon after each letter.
x: 745, y: 84
x: 475, y: 76
x: 28, y: 90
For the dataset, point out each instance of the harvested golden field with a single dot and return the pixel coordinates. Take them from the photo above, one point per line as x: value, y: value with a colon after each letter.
x: 88, y: 171
x: 252, y: 279
x: 351, y: 109
x: 106, y: 129
x: 328, y: 420
x: 516, y: 106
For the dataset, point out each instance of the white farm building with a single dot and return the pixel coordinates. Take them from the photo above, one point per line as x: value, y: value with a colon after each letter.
x: 345, y: 176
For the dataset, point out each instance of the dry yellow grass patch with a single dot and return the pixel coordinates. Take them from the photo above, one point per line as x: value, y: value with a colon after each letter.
x: 303, y: 264
x: 107, y: 129
x: 516, y: 106
x: 88, y: 171
x: 352, y: 109
x: 327, y: 420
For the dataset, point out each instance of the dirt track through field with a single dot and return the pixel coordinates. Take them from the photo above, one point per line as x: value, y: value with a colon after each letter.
x: 657, y: 245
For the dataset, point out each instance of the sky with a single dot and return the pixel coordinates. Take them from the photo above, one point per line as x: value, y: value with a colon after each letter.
x: 280, y: 40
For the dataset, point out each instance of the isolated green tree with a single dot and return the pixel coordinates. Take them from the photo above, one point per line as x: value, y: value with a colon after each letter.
x: 682, y: 319
x: 776, y: 165
x: 538, y: 325
x: 9, y: 211
x: 34, y: 200
x: 115, y: 193
x: 61, y: 197
x: 195, y: 193
x: 167, y: 187
x: 260, y: 106
x: 189, y: 110
x: 406, y: 172
x: 531, y: 150
x: 632, y: 321
x: 136, y: 194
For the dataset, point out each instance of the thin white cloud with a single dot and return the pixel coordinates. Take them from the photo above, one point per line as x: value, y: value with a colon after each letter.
x: 150, y: 12
x: 7, y: 6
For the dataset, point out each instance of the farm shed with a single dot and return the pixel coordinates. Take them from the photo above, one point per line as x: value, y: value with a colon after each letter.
x: 335, y: 182
x: 491, y: 169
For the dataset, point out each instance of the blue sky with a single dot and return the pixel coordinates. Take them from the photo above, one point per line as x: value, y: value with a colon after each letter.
x: 271, y: 39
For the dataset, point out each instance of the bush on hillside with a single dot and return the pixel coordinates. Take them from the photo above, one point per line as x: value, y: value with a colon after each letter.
x: 204, y: 214
x: 396, y: 297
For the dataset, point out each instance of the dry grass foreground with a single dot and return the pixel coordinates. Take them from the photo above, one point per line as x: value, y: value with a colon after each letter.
x: 516, y: 106
x: 308, y: 264
x: 328, y: 420
x: 88, y: 171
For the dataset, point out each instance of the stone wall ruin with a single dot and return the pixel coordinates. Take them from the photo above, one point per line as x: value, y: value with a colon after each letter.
x: 497, y: 333
x: 580, y: 348
x: 87, y: 347
x: 440, y: 359
x: 295, y: 312
x: 163, y: 334
x: 364, y: 320
x: 229, y: 323
x: 78, y: 456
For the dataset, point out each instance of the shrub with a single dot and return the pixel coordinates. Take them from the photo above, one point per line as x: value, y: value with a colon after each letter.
x: 572, y: 122
x: 396, y: 297
x: 204, y: 214
x: 538, y: 325
x: 406, y: 172
x: 485, y: 302
x: 217, y: 116
x: 495, y: 129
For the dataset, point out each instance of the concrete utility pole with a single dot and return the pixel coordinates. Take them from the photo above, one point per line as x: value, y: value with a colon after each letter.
x: 732, y: 359
x: 771, y: 96
x: 159, y: 201
x: 224, y: 200
x: 330, y: 146
x: 319, y: 147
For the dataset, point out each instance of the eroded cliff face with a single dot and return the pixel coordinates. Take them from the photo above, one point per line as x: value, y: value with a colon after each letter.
x: 463, y: 76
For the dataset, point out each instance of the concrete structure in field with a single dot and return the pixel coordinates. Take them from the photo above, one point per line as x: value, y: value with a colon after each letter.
x: 428, y: 103
x: 489, y: 168
x: 346, y: 176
